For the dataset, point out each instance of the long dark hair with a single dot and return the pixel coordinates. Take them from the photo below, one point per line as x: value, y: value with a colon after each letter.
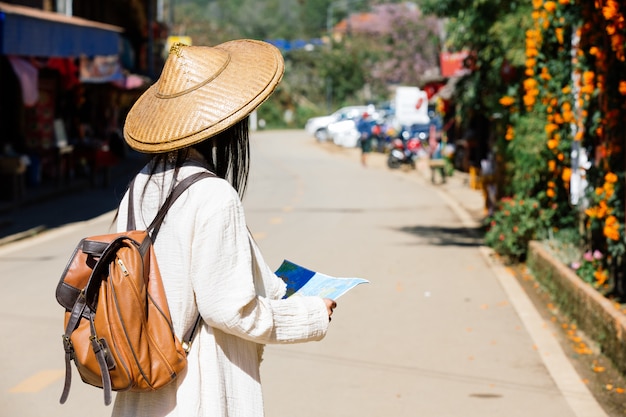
x: 227, y: 155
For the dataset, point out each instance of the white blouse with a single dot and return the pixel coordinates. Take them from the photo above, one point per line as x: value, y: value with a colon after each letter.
x: 209, y: 263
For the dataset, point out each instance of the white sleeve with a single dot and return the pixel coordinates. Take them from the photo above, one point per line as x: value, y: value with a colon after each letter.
x: 223, y: 283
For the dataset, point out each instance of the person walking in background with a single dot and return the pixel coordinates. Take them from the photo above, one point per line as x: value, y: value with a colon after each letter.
x: 195, y: 119
x: 437, y: 161
x: 364, y: 126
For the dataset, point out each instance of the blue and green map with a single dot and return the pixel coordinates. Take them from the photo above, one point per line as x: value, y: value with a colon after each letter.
x: 310, y: 283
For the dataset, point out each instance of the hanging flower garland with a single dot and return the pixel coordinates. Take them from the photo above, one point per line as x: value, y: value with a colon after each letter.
x: 547, y: 92
x: 602, y: 70
x: 588, y: 108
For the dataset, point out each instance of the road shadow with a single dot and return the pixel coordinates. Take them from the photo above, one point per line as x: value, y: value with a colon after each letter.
x: 73, y: 202
x: 446, y: 236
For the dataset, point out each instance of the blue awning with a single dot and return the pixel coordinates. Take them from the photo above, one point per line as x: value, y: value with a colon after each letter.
x: 32, y: 32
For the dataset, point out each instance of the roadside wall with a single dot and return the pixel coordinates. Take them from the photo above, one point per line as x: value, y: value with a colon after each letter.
x: 594, y: 314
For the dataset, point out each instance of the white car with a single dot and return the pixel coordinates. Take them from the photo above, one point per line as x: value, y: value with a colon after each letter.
x: 344, y: 133
x: 317, y: 126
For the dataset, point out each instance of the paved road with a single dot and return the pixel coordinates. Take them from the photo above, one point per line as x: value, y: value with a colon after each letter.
x: 439, y: 331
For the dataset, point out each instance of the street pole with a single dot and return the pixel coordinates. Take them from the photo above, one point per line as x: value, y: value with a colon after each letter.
x: 346, y: 5
x: 170, y: 21
x: 329, y: 80
x: 159, y: 13
x: 150, y: 51
x: 64, y: 7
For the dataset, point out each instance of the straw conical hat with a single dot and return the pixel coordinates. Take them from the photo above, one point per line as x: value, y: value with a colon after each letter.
x: 201, y: 92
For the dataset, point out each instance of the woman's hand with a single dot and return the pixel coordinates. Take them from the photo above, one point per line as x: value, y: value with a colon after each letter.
x: 330, y: 306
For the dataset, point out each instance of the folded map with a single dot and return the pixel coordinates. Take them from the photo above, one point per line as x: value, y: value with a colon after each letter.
x: 310, y: 283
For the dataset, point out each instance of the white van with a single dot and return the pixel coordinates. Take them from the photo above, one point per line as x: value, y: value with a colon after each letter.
x: 411, y: 107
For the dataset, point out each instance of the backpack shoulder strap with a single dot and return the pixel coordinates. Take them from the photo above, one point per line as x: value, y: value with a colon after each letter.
x: 154, y: 227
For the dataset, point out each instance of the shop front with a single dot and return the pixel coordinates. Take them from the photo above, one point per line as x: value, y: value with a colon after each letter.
x: 53, y: 125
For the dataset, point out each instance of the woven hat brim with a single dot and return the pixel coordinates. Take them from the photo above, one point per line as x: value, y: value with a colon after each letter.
x: 156, y: 124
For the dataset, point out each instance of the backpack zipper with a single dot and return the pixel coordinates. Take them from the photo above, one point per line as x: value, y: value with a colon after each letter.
x: 122, y: 267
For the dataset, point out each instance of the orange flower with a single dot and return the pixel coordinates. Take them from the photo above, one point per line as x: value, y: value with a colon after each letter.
x: 563, y: 2
x: 551, y: 165
x: 592, y: 212
x: 588, y: 77
x: 507, y: 101
x: 529, y: 101
x: 601, y: 277
x: 566, y: 175
x: 552, y: 144
x: 610, y: 177
x: 587, y: 89
x: 610, y: 10
x: 559, y: 35
x: 560, y: 157
x: 550, y: 193
x: 566, y: 90
x: 537, y: 3
x: 579, y: 135
x: 550, y: 128
x: 530, y: 84
x: 510, y: 133
x: 550, y: 6
x: 602, y: 209
x: 622, y: 88
x: 558, y: 119
x: 568, y: 116
x: 611, y: 233
x: 610, y: 29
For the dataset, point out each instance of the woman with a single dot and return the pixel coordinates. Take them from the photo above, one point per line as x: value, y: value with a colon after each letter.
x: 195, y: 118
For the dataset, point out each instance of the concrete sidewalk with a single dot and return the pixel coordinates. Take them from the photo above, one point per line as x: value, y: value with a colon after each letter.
x: 53, y: 205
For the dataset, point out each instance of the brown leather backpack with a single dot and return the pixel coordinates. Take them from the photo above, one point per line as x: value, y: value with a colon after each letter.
x: 118, y: 329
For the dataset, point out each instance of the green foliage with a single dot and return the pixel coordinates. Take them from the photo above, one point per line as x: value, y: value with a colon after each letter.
x: 342, y: 67
x: 527, y: 156
x: 493, y: 30
x: 271, y: 113
x: 516, y: 222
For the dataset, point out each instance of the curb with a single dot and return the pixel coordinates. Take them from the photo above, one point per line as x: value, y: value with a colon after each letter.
x: 594, y: 314
x: 22, y: 235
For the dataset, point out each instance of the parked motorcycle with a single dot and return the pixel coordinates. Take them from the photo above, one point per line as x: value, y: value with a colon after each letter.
x: 403, y: 153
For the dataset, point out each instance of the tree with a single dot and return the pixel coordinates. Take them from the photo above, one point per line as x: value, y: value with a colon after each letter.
x: 396, y: 43
x: 409, y: 44
x: 494, y: 31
